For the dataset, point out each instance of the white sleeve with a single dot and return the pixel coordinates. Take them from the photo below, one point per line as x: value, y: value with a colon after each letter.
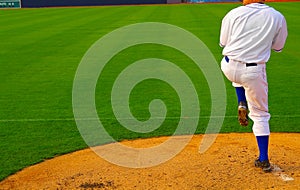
x: 280, y: 38
x: 225, y: 27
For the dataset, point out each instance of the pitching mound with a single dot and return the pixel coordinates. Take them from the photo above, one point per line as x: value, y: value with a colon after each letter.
x: 228, y: 164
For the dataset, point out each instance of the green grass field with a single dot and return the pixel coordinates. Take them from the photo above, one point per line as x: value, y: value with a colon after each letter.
x: 40, y: 50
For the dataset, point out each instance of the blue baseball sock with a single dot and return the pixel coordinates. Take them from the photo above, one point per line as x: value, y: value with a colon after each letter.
x: 263, y: 144
x: 240, y: 92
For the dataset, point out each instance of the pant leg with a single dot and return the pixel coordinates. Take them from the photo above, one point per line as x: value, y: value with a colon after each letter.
x: 255, y: 83
x: 234, y: 84
x: 254, y: 80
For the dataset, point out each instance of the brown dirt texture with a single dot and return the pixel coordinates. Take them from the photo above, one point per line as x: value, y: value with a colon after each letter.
x: 227, y: 164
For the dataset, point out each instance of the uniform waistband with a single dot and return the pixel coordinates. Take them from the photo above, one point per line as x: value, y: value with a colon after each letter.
x: 247, y: 64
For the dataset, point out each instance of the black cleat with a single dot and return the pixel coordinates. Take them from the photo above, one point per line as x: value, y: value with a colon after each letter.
x: 265, y: 165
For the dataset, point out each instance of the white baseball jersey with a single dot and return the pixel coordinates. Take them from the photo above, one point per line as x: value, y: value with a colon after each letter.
x: 248, y: 33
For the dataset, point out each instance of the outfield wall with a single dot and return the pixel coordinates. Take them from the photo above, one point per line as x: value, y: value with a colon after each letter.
x: 58, y: 3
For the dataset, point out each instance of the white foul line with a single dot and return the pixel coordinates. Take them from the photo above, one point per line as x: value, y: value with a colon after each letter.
x: 108, y: 118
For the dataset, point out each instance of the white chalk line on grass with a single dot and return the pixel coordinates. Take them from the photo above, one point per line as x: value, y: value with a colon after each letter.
x: 87, y: 119
x: 277, y: 171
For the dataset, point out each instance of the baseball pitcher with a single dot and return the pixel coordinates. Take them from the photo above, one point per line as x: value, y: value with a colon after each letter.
x: 248, y: 34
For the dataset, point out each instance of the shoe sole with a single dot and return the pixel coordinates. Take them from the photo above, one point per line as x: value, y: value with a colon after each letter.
x: 264, y: 169
x: 243, y: 116
x: 267, y: 170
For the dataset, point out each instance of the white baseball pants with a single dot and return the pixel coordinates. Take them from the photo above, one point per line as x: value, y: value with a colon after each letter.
x: 254, y: 81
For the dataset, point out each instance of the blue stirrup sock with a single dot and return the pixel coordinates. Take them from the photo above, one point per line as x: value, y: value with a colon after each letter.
x: 240, y: 93
x: 263, y: 144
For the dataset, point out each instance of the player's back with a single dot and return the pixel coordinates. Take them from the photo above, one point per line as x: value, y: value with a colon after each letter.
x: 254, y: 29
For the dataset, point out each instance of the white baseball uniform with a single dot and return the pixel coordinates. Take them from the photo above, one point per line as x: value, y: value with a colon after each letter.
x: 248, y: 33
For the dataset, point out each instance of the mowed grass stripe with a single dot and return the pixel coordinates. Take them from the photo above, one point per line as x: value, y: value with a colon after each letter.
x: 56, y: 55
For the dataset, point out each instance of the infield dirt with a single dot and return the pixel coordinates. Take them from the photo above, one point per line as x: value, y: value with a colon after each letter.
x: 227, y: 164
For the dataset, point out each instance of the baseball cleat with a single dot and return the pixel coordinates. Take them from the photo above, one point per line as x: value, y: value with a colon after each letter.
x: 243, y: 114
x: 265, y: 165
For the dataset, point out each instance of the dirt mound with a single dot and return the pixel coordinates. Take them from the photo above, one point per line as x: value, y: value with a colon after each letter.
x: 228, y: 164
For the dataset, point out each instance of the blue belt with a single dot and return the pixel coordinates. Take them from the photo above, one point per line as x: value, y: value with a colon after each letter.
x: 247, y: 64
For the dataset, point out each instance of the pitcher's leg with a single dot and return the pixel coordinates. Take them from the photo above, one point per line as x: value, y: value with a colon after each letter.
x: 242, y: 106
x: 240, y: 93
x: 257, y: 96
